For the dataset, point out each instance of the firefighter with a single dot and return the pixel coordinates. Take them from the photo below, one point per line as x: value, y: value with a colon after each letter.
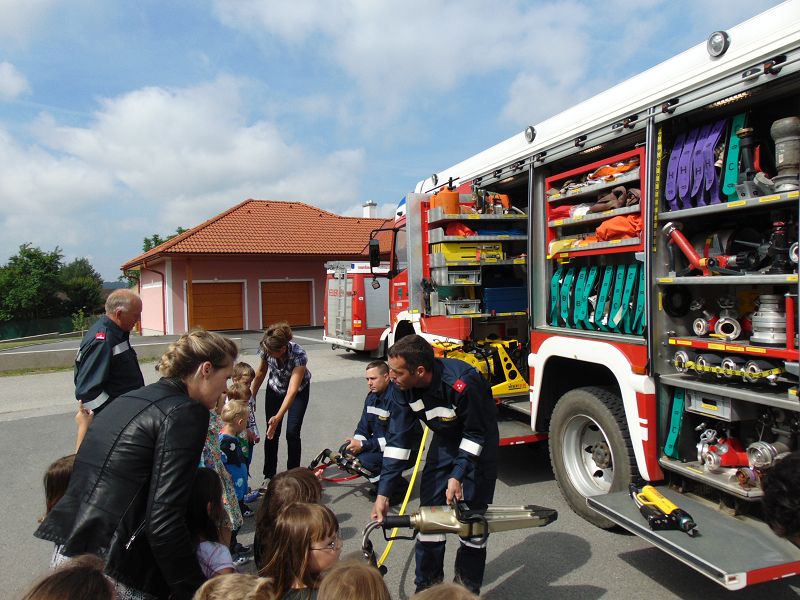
x: 454, y: 400
x: 106, y: 365
x: 369, y: 439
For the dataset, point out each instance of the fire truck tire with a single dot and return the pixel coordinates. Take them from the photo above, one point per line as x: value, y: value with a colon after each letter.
x: 590, y: 448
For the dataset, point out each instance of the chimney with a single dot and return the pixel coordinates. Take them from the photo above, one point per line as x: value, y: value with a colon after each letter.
x: 370, y: 210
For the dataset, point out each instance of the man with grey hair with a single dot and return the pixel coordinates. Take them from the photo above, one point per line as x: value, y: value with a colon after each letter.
x: 106, y: 366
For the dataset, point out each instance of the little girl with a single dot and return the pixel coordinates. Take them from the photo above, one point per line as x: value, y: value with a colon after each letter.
x: 203, y: 515
x: 212, y: 459
x: 305, y: 543
x: 56, y: 480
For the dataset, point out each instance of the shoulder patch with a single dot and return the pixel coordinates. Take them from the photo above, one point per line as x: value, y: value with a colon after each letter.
x: 459, y: 385
x: 100, y: 335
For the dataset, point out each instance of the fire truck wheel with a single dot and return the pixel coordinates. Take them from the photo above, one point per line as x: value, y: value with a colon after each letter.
x: 590, y: 448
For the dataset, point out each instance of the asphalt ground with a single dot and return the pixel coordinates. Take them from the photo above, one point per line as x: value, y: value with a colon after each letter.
x: 568, y: 559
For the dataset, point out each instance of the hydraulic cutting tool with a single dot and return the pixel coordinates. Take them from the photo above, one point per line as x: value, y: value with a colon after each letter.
x: 660, y: 513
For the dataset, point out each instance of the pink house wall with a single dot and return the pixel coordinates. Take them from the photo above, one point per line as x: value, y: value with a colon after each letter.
x: 249, y: 270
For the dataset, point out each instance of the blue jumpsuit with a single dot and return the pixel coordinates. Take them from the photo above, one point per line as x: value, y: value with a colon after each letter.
x: 458, y: 407
x: 372, y: 427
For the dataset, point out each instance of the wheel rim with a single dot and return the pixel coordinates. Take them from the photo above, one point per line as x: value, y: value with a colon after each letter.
x: 587, y: 456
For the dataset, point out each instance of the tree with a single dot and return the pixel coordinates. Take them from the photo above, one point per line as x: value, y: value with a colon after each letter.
x: 82, y: 286
x: 156, y: 240
x: 29, y: 284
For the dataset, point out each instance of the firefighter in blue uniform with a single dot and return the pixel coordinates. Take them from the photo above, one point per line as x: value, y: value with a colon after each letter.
x: 369, y: 439
x: 455, y: 401
x: 106, y: 366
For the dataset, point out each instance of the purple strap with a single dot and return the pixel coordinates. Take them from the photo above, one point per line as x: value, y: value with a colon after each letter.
x: 712, y: 183
x: 671, y: 188
x: 685, y: 170
x: 697, y: 165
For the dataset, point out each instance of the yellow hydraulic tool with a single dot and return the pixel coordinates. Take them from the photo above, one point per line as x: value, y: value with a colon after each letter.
x: 492, y: 359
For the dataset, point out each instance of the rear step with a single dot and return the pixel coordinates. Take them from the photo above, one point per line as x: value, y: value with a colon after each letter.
x: 733, y: 551
x: 519, y: 404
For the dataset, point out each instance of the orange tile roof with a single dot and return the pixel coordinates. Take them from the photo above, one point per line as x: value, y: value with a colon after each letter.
x: 273, y: 227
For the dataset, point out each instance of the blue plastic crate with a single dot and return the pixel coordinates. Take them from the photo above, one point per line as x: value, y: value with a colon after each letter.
x: 505, y: 299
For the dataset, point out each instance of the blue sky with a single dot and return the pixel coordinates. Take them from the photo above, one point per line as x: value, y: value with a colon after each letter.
x: 123, y: 119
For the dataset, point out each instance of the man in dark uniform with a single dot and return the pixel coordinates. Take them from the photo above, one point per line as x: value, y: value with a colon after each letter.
x: 369, y: 439
x: 455, y: 401
x: 106, y: 366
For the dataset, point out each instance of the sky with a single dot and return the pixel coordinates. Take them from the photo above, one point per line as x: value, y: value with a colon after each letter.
x: 120, y: 120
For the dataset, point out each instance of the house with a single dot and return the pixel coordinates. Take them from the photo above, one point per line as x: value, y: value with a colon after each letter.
x: 259, y: 262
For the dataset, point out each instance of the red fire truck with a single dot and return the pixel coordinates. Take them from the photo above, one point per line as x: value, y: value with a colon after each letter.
x: 356, y: 313
x: 625, y: 273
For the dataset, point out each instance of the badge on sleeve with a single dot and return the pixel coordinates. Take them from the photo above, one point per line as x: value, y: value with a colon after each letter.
x: 100, y: 335
x: 459, y: 386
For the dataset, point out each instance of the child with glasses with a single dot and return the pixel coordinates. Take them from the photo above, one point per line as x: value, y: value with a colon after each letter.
x: 305, y: 543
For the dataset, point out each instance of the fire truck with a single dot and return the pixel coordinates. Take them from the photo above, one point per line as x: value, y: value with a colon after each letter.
x: 355, y: 313
x: 625, y: 273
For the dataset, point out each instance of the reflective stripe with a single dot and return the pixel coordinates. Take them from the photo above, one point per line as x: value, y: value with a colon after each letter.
x: 440, y: 411
x: 382, y: 442
x: 398, y: 453
x: 430, y: 537
x: 470, y: 446
x: 417, y: 406
x: 358, y: 436
x: 120, y: 348
x: 472, y: 544
x: 378, y: 411
x: 97, y: 402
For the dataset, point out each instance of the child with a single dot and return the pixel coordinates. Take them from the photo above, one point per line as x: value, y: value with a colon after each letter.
x: 243, y: 373
x: 305, y: 543
x: 240, y: 390
x: 353, y: 580
x: 212, y: 459
x: 203, y: 515
x: 286, y: 488
x: 234, y: 419
x: 82, y: 577
x: 237, y: 587
x: 56, y: 480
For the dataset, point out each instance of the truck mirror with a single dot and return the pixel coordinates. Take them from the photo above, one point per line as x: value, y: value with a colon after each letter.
x: 376, y: 284
x: 374, y: 253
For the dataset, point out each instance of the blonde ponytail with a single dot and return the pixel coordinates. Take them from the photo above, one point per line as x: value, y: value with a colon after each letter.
x: 192, y: 349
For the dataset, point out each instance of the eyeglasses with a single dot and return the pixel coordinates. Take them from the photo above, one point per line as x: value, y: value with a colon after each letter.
x: 334, y: 546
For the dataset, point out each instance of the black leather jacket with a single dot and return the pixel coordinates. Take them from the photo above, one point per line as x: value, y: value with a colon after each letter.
x: 127, y: 496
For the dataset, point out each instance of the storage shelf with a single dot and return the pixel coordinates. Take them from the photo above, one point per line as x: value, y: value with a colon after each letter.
x: 717, y: 345
x: 437, y: 215
x: 597, y: 246
x: 769, y: 395
x: 594, y: 217
x: 437, y: 259
x: 733, y: 206
x: 436, y: 235
x: 593, y: 188
x: 729, y: 279
x: 724, y: 481
x: 483, y: 315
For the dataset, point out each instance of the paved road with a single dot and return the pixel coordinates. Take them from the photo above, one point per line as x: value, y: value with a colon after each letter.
x: 568, y: 559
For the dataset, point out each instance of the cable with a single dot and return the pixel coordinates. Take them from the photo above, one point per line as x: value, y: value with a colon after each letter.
x: 408, y: 495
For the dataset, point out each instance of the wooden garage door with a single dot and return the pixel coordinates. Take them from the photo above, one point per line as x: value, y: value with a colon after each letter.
x: 217, y: 306
x: 286, y: 301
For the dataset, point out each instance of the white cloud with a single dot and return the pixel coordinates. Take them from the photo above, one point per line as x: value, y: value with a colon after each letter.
x: 156, y: 158
x: 399, y: 52
x: 12, y: 82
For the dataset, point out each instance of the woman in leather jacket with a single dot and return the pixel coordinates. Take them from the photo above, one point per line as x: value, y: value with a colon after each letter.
x: 127, y: 497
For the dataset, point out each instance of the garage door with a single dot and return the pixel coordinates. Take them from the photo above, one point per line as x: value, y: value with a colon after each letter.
x: 286, y: 301
x: 217, y: 306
